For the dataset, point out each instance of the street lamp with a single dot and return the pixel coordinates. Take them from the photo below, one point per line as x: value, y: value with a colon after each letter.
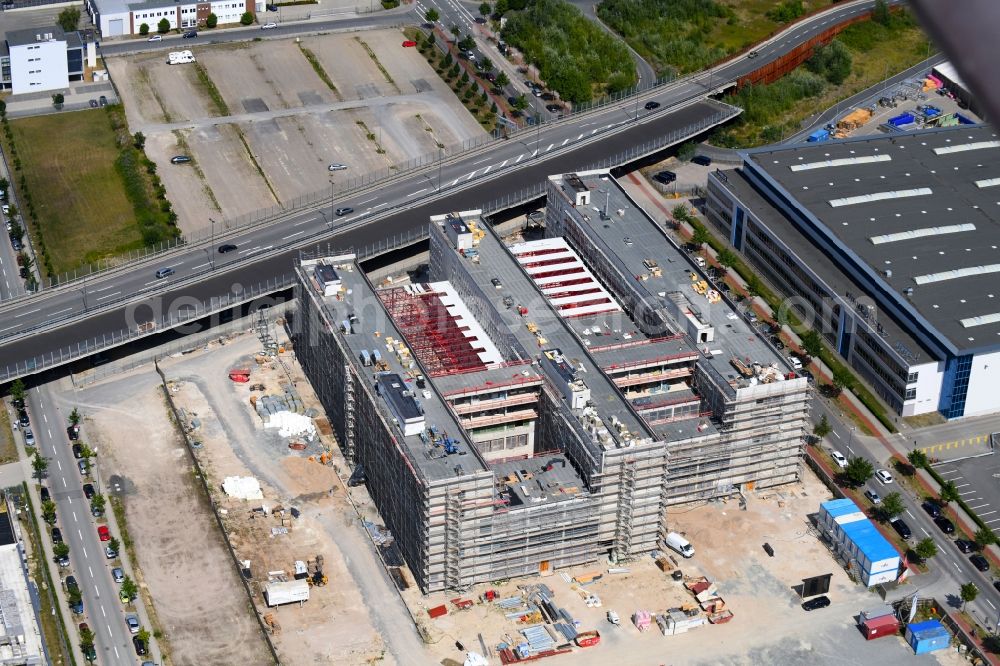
x: 211, y: 249
x: 440, y: 163
x: 332, y: 186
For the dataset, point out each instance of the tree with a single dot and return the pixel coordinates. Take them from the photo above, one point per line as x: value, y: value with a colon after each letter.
x: 949, y: 492
x: 24, y: 260
x: 455, y: 30
x: 502, y: 80
x: 858, y: 471
x: 465, y: 77
x: 39, y: 464
x: 49, y: 511
x: 98, y: 501
x: 467, y: 43
x: 486, y: 65
x: 73, y: 596
x: 968, y: 592
x: 143, y: 635
x: 521, y: 102
x: 86, y: 637
x: 139, y: 141
x: 69, y: 19
x: 163, y: 26
x: 60, y: 550
x: 727, y: 258
x: 432, y: 15
x: 812, y: 344
x: 57, y: 100
x: 16, y: 230
x: 822, y: 429
x: 143, y: 29
x: 686, y: 151
x: 754, y: 286
x: 892, y: 506
x: 680, y: 212
x: 212, y: 20
x: 700, y: 236
x: 129, y: 588
x: 917, y: 458
x: 880, y: 13
x: 86, y: 452
x: 485, y: 9
x: 926, y: 549
x: 114, y: 543
x: 985, y: 537
x: 246, y: 18
x: 833, y: 62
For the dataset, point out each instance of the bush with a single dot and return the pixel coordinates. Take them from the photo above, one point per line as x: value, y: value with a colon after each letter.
x: 787, y: 11
x: 69, y: 19
x: 163, y: 27
x: 390, y: 4
x: 143, y: 29
x: 246, y: 18
x: 671, y: 35
x: 833, y: 62
x: 211, y: 21
x: 572, y: 53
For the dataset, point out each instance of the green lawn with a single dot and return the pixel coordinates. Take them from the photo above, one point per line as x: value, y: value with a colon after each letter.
x: 68, y: 161
x: 752, y: 24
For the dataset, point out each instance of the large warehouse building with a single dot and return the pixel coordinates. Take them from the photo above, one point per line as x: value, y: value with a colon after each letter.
x: 541, y: 405
x: 890, y: 247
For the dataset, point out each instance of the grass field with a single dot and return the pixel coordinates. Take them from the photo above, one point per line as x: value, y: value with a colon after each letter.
x: 68, y: 161
x: 752, y: 24
x: 907, y: 47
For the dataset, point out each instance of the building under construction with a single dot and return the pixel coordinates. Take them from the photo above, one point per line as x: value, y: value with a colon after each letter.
x: 541, y: 405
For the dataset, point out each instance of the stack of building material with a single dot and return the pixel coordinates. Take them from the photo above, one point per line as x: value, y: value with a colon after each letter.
x: 642, y: 620
x: 539, y: 639
x: 242, y: 487
x: 676, y: 621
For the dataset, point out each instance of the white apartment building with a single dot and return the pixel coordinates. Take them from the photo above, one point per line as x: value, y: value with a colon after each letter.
x: 40, y: 59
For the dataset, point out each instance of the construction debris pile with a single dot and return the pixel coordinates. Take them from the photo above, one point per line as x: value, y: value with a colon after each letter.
x: 286, y: 413
x: 392, y: 556
x: 242, y: 487
x: 706, y: 608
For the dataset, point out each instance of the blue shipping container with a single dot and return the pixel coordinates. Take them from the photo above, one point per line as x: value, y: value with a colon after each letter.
x: 819, y: 135
x: 927, y: 636
x: 902, y: 119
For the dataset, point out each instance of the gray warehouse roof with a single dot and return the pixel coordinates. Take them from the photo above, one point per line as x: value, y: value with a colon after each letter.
x: 919, y: 213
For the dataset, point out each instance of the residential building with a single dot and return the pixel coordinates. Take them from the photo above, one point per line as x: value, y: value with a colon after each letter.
x: 41, y: 59
x: 20, y: 632
x: 889, y: 246
x: 117, y: 18
x: 543, y: 404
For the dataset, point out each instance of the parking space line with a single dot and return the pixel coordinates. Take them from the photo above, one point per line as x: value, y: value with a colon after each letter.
x: 986, y: 513
x: 993, y: 520
x: 962, y: 485
x: 979, y: 506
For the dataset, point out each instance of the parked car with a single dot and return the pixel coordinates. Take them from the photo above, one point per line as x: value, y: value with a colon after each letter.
x: 84, y: 467
x: 965, y: 546
x: 269, y: 26
x: 932, y: 508
x: 337, y: 167
x: 62, y: 561
x: 103, y: 533
x: 272, y: 8
x: 93, y: 103
x: 140, y: 646
x: 613, y: 618
x: 155, y: 38
x: 102, y: 100
x: 89, y: 652
x: 22, y: 419
x: 180, y: 159
x: 650, y: 106
x: 873, y: 496
x: 817, y: 602
x: 901, y: 528
x: 409, y: 43
x: 118, y: 574
x: 73, y: 432
x: 945, y: 525
x: 228, y: 247
x: 77, y: 451
x: 56, y: 535
x: 553, y: 108
x: 344, y: 210
x: 110, y: 552
x: 190, y: 34
x: 132, y: 621
x: 980, y: 562
x: 44, y: 493
x: 77, y: 608
x: 884, y: 477
x: 71, y: 583
x: 839, y: 458
x: 665, y: 177
x: 96, y: 512
x: 702, y: 160
x: 29, y: 437
x: 88, y: 490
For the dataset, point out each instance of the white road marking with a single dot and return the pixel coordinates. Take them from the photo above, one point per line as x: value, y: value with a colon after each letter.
x: 956, y: 565
x: 565, y: 141
x: 454, y: 182
x: 116, y: 653
x: 487, y: 169
x: 837, y: 435
x: 299, y: 224
x: 993, y: 520
x: 74, y: 517
x: 90, y: 570
x: 413, y: 194
x: 7, y: 329
x: 950, y: 471
x: 503, y: 164
x: 519, y: 158
x: 482, y: 160
x: 979, y: 506
x: 110, y: 286
x: 367, y: 200
x: 59, y: 465
x: 207, y: 263
x: 108, y: 296
x: 24, y: 314
x: 579, y: 137
x: 469, y: 177
x: 49, y: 432
x: 45, y: 417
x: 962, y: 485
x: 549, y: 148
x: 593, y: 132
x: 80, y: 533
x: 909, y: 514
x: 986, y: 513
x: 53, y: 314
x: 297, y: 233
x: 991, y: 604
x: 925, y: 531
x: 69, y: 499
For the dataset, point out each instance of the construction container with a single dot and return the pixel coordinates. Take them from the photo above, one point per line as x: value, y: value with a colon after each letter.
x: 927, y: 636
x: 437, y: 611
x: 286, y: 592
x: 859, y: 539
x: 902, y: 120
x: 819, y: 135
x: 877, y: 627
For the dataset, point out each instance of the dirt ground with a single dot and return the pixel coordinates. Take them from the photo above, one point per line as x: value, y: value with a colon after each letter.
x: 285, y: 157
x: 334, y: 625
x: 182, y: 558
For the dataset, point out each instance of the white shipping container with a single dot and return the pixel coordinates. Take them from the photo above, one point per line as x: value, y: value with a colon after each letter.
x: 287, y: 592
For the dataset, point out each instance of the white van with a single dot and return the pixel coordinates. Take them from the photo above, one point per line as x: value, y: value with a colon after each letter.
x: 676, y: 542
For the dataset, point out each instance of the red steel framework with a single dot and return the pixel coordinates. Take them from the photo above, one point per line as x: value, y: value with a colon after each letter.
x: 440, y: 344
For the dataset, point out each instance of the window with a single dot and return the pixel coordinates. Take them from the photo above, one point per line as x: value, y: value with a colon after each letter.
x: 912, y: 377
x: 911, y: 394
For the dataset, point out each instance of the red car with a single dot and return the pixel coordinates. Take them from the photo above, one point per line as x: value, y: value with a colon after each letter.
x: 409, y: 43
x: 103, y: 533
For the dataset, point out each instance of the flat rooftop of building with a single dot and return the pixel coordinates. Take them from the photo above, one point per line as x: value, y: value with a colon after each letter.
x: 27, y: 36
x: 819, y: 262
x: 7, y: 535
x: 533, y: 481
x: 487, y: 378
x: 374, y: 330
x: 918, y: 211
x: 494, y: 262
x: 633, y: 241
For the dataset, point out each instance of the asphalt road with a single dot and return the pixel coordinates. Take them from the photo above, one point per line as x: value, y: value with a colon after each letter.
x: 102, y: 608
x: 954, y: 566
x: 40, y: 325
